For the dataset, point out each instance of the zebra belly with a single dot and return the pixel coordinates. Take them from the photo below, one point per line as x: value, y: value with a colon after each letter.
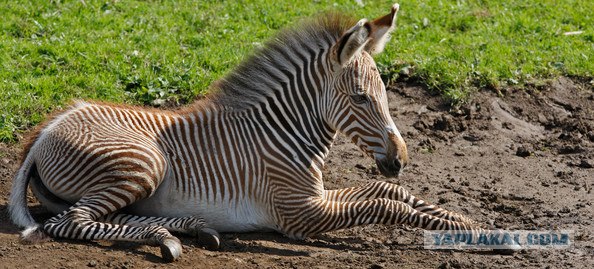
x: 240, y: 215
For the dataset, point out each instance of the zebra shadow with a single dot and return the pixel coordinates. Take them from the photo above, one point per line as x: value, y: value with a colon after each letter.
x: 262, y: 243
x: 40, y: 214
x: 6, y: 225
x: 278, y: 244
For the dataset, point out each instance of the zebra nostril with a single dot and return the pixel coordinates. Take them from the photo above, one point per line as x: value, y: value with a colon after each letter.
x: 397, y: 165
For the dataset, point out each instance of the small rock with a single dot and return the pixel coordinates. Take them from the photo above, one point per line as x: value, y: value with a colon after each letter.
x: 360, y: 166
x: 550, y: 213
x: 92, y: 263
x: 565, y: 136
x: 444, y: 123
x: 472, y: 138
x: 563, y: 174
x: 591, y: 135
x: 564, y: 210
x: 585, y: 164
x: 445, y: 265
x: 570, y: 149
x: 542, y: 119
x: 507, y: 125
x: 421, y: 125
x: 376, y: 266
x: 422, y: 110
x: 373, y: 171
x: 425, y: 22
x: 521, y: 151
x: 450, y: 265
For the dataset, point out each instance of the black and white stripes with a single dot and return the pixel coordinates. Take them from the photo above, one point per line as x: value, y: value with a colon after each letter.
x: 249, y: 157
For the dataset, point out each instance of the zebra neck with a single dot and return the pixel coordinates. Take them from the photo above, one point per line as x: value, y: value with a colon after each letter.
x: 305, y: 134
x: 293, y: 115
x: 305, y: 131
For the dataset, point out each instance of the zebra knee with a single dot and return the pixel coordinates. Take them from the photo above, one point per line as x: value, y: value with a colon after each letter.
x: 67, y: 224
x: 193, y: 225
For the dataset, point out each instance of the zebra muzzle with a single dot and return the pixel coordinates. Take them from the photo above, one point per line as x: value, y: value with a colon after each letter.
x: 396, y: 158
x: 389, y: 167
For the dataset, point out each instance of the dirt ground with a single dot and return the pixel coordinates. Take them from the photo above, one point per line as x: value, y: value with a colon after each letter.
x: 521, y: 159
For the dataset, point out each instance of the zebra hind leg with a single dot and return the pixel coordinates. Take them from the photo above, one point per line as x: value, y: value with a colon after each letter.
x: 190, y: 225
x: 81, y: 222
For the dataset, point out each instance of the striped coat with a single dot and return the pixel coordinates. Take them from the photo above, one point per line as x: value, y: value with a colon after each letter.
x: 249, y: 157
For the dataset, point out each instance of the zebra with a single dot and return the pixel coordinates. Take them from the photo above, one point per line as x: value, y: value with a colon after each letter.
x: 248, y: 157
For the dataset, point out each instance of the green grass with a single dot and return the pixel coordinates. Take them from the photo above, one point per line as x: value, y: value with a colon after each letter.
x: 154, y: 52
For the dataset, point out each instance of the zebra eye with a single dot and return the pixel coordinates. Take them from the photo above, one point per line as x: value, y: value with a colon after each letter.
x: 359, y: 98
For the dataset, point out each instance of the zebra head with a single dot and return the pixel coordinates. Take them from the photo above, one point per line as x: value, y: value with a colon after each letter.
x: 361, y: 104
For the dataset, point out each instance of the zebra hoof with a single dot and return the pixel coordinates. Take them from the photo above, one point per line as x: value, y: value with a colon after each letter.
x: 209, y: 239
x: 510, y: 250
x: 171, y: 249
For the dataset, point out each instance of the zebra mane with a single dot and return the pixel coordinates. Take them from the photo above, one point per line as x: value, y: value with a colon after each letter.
x: 249, y: 82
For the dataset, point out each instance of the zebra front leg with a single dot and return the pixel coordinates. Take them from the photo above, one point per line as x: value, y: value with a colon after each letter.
x: 191, y: 225
x: 80, y: 222
x: 321, y: 215
x: 380, y: 189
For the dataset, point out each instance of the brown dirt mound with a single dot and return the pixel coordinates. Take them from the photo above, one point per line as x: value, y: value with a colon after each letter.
x: 523, y: 160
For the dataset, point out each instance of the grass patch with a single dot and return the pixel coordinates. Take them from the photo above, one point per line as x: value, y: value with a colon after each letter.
x: 156, y: 52
x: 457, y: 45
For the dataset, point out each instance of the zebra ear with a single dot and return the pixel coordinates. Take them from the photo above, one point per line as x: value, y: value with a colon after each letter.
x: 352, y: 42
x: 380, y: 31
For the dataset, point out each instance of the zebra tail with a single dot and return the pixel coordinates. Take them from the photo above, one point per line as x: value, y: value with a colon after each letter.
x: 17, y: 205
